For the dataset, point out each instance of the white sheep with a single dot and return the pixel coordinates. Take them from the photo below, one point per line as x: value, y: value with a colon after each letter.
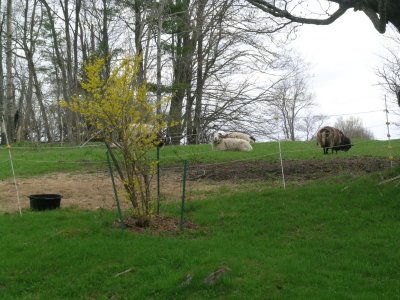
x: 230, y: 144
x: 240, y: 135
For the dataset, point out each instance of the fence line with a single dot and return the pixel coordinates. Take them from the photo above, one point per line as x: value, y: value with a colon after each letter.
x: 100, y: 145
x: 5, y: 161
x: 3, y: 125
x: 388, y: 135
x: 350, y: 114
x: 288, y: 151
x: 61, y: 161
x: 55, y: 147
x: 185, y: 155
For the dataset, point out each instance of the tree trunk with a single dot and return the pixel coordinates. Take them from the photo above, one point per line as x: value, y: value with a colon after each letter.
x: 68, y: 46
x: 200, y: 81
x: 2, y: 102
x: 10, y: 97
x: 182, y: 72
x: 30, y: 113
x: 28, y: 49
x: 138, y: 36
x: 69, y: 68
x: 60, y: 64
x: 104, y: 46
x: 159, y: 28
x: 75, y: 45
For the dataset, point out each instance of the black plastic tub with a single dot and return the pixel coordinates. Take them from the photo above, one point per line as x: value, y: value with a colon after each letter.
x: 45, y: 201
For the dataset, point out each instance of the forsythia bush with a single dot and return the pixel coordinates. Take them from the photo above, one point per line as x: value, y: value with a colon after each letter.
x: 118, y: 107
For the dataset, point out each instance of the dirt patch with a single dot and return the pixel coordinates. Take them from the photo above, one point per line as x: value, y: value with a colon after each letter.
x: 87, y: 191
x: 158, y: 224
x: 293, y: 169
x: 95, y: 191
x: 91, y: 191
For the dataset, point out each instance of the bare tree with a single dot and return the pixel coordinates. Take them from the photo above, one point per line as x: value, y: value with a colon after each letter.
x: 202, y: 50
x: 160, y: 14
x: 182, y: 51
x: 310, y: 123
x: 229, y: 59
x: 204, y: 53
x: 389, y: 72
x: 9, y: 107
x: 2, y: 99
x: 194, y: 127
x: 291, y: 96
x: 380, y: 12
x: 65, y: 78
x: 353, y: 128
x: 28, y: 44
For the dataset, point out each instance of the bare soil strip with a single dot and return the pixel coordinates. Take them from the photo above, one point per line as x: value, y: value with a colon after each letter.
x: 94, y: 190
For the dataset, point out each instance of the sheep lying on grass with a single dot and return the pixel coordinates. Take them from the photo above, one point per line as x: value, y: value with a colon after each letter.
x: 230, y: 144
x: 240, y: 135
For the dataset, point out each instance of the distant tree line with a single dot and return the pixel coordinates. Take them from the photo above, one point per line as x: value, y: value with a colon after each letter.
x: 225, y: 64
x: 353, y: 128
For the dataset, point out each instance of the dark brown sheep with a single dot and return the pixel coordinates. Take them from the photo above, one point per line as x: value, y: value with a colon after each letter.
x: 334, y: 139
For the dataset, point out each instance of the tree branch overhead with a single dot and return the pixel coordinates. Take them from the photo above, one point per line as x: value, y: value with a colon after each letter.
x: 380, y: 12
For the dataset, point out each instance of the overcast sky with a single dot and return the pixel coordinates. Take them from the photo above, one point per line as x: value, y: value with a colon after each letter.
x: 343, y: 57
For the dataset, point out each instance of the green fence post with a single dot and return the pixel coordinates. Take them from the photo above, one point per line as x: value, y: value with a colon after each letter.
x: 183, y: 194
x: 115, y: 192
x: 158, y: 180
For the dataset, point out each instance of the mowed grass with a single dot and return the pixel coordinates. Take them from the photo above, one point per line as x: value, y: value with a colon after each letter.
x: 270, y: 151
x: 41, y: 159
x: 335, y: 240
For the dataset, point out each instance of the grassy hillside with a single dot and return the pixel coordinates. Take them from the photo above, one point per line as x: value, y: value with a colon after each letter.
x: 336, y: 240
x: 41, y: 159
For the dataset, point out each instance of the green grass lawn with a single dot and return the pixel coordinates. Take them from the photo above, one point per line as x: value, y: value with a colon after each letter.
x: 41, y: 159
x: 270, y: 151
x: 319, y: 241
x: 334, y: 239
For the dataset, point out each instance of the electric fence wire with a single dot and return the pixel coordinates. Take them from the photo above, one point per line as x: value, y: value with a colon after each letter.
x: 5, y: 161
x: 183, y: 156
x: 58, y: 146
x: 61, y: 161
